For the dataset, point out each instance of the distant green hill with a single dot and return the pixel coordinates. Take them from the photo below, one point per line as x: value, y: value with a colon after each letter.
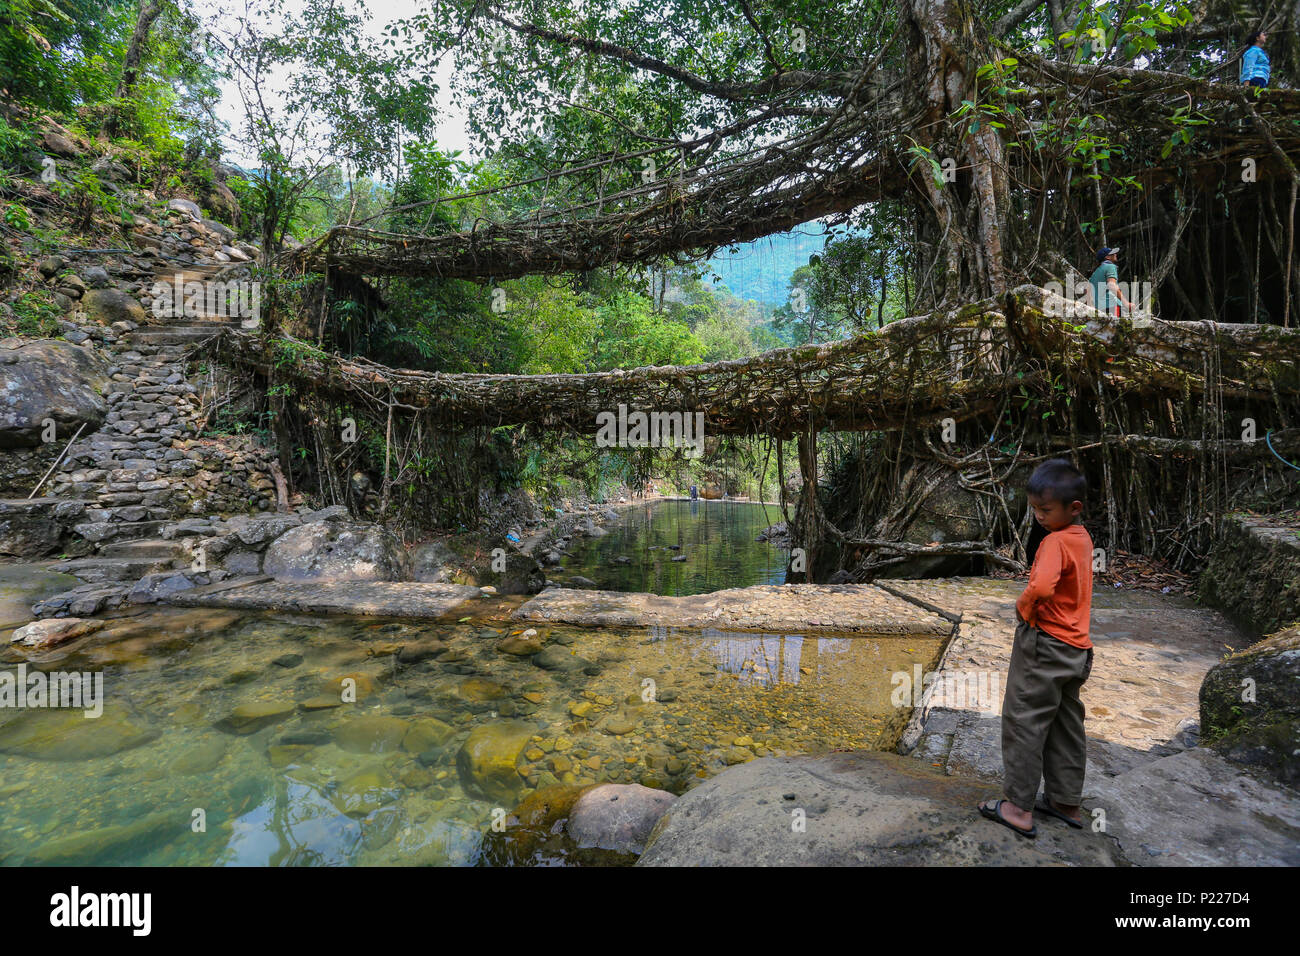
x: 761, y: 269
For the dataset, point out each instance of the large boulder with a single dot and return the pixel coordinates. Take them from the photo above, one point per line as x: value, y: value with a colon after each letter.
x: 858, y: 808
x: 31, y: 529
x: 187, y: 206
x: 107, y: 306
x: 487, y: 760
x: 1250, y: 706
x: 225, y: 233
x: 223, y: 203
x: 55, y: 139
x: 576, y: 825
x: 49, y: 380
x: 950, y: 513
x: 54, y: 631
x: 1253, y: 573
x: 433, y: 563
x: 507, y: 569
x: 617, y: 817
x: 336, y: 551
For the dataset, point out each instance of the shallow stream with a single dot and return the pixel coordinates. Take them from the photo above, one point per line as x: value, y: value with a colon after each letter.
x: 238, y: 721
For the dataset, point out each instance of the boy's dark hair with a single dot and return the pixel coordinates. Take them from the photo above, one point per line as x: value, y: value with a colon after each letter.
x: 1058, y: 480
x: 1253, y: 37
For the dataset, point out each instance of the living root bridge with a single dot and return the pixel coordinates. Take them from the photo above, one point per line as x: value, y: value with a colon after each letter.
x: 914, y: 372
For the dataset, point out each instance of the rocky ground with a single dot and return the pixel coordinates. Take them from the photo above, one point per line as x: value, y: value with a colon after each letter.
x: 1153, y: 796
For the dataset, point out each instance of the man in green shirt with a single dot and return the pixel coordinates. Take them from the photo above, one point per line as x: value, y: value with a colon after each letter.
x: 1106, y: 293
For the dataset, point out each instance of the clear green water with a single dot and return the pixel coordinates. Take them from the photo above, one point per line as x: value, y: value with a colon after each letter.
x: 376, y: 781
x: 715, y: 537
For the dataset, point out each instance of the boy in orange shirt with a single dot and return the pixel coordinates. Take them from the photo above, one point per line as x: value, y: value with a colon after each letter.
x: 1042, y: 716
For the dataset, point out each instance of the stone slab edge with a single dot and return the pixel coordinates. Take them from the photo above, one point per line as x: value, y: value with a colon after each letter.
x: 637, y: 609
x: 367, y: 598
x: 915, y: 728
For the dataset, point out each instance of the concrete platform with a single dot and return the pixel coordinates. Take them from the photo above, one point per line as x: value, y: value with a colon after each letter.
x: 801, y: 608
x: 371, y: 598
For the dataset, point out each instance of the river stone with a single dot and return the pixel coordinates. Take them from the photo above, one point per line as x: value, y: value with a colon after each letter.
x: 123, y: 843
x: 107, y: 306
x: 555, y: 658
x: 305, y: 738
x: 200, y: 757
x: 365, y: 791
x: 371, y: 734
x: 67, y: 734
x: 420, y: 650
x: 49, y: 380
x: 519, y: 646
x: 336, y: 551
x: 1264, y: 732
x: 481, y: 689
x: 486, y: 761
x: 52, y: 632
x: 250, y: 718
x: 617, y: 724
x: 617, y: 816
x: 321, y: 702
x: 535, y: 833
x: 426, y: 734
x: 862, y: 808
x: 362, y: 685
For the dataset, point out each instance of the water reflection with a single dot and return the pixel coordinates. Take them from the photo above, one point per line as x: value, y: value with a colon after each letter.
x: 680, y: 547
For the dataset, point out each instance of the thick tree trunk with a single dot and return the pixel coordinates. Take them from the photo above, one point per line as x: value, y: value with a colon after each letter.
x: 945, y: 52
x: 149, y: 12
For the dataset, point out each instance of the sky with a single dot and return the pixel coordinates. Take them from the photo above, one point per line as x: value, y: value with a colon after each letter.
x: 451, y: 132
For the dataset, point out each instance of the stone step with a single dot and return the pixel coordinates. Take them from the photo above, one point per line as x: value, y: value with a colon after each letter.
x: 51, y: 503
x: 99, y: 531
x: 170, y: 318
x: 101, y: 570
x: 145, y: 548
x: 173, y: 335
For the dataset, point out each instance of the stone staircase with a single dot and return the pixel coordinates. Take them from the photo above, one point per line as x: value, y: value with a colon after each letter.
x: 128, y: 502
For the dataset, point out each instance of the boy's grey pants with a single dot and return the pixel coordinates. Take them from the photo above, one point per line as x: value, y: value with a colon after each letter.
x: 1042, y: 719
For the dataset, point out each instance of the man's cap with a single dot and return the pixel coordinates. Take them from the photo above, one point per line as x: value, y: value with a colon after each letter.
x: 1105, y: 251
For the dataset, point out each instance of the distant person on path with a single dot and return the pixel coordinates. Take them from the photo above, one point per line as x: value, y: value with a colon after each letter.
x: 1042, y: 715
x: 1106, y: 293
x: 1254, y: 62
x: 695, y: 493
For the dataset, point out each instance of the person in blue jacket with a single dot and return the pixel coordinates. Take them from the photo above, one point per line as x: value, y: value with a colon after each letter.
x: 1254, y: 62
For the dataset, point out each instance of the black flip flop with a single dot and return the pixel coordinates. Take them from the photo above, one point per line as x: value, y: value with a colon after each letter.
x: 1043, y: 805
x: 994, y: 814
